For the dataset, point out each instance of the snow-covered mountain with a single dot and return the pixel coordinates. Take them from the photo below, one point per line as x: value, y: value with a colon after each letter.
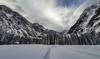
x: 15, y: 28
x: 89, y: 21
x: 87, y: 29
x: 38, y: 27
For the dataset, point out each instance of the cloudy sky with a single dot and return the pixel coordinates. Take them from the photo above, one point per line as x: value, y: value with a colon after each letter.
x: 52, y: 14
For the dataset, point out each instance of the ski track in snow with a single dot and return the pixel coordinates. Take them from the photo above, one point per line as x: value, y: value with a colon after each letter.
x: 85, y: 53
x: 47, y: 56
x: 49, y: 52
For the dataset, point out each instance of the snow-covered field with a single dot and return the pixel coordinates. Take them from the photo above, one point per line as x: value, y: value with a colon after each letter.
x: 49, y: 52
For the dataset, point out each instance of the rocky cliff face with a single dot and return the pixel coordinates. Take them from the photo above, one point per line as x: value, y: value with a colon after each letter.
x: 87, y: 29
x: 89, y: 20
x: 15, y: 28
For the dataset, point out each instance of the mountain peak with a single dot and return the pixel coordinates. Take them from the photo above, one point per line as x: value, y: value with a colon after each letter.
x: 87, y: 21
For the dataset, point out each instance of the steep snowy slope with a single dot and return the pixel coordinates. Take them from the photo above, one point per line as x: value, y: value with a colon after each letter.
x: 86, y: 30
x: 89, y: 21
x: 15, y: 28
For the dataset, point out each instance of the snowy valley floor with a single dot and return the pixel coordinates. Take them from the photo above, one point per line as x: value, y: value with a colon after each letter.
x: 49, y: 52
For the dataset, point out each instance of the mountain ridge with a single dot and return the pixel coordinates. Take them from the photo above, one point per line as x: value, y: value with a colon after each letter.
x: 86, y: 31
x: 15, y: 28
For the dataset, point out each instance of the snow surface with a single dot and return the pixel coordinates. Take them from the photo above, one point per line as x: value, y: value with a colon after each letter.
x: 49, y: 52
